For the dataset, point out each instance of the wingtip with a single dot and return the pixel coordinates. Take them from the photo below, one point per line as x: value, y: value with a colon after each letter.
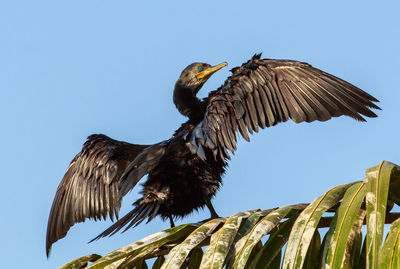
x: 48, y: 249
x: 373, y: 98
x: 94, y: 239
x: 49, y: 244
x: 358, y: 117
x: 376, y: 107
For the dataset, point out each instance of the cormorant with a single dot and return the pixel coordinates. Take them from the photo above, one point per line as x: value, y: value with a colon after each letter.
x: 184, y: 172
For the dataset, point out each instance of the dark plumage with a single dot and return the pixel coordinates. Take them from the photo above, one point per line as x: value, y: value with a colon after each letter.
x: 184, y: 172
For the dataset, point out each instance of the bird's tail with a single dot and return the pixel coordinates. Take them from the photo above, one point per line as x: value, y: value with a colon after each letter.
x: 136, y: 216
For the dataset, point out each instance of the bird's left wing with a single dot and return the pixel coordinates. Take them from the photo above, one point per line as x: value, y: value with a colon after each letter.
x: 264, y: 92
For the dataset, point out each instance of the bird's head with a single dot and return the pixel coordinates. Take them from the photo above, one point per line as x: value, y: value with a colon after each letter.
x: 196, y: 74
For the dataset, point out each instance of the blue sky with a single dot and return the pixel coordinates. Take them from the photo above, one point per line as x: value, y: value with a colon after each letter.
x: 72, y: 68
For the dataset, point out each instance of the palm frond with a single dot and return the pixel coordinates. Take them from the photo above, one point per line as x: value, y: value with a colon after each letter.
x: 292, y: 234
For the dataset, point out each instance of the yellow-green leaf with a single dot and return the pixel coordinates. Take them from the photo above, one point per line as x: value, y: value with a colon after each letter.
x: 146, y: 245
x: 354, y: 242
x: 158, y: 262
x: 312, y: 259
x: 305, y: 225
x: 240, y: 238
x: 214, y: 256
x: 377, y: 179
x: 178, y: 254
x: 195, y: 258
x: 341, y: 226
x: 263, y: 227
x: 80, y: 262
x: 388, y: 258
x: 141, y: 265
x: 273, y: 247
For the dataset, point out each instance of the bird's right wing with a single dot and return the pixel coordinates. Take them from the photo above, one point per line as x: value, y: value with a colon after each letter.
x: 90, y: 187
x: 263, y: 92
x: 143, y: 208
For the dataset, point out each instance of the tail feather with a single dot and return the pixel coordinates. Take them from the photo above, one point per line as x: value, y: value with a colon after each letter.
x: 154, y: 213
x: 140, y: 217
x: 134, y: 218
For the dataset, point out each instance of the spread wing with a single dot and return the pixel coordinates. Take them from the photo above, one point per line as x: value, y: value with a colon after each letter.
x: 90, y: 187
x: 264, y: 92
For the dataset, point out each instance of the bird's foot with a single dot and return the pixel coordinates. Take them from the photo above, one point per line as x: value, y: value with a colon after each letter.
x: 171, y: 221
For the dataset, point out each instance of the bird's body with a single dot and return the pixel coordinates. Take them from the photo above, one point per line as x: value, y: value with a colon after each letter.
x: 185, y: 171
x: 183, y: 177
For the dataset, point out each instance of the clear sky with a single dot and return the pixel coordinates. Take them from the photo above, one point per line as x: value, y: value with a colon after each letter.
x: 72, y: 68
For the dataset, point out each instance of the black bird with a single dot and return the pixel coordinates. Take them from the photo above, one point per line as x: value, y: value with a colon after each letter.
x: 184, y: 172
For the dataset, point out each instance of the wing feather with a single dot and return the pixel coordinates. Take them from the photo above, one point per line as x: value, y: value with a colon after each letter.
x: 89, y: 188
x: 252, y: 109
x: 260, y: 110
x: 264, y: 92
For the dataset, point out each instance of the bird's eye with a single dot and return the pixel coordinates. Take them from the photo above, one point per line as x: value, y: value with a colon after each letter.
x: 200, y: 68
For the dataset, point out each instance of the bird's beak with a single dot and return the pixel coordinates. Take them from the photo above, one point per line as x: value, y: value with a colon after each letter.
x: 206, y: 74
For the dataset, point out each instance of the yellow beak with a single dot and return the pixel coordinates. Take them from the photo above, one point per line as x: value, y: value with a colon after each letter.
x: 206, y: 74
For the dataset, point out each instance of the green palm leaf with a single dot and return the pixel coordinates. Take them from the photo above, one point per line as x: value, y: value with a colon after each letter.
x: 389, y: 257
x: 142, y: 247
x: 312, y: 259
x: 214, y: 256
x: 195, y: 258
x: 158, y: 262
x: 240, y: 238
x: 342, y: 225
x: 81, y: 262
x: 305, y: 225
x: 179, y: 253
x: 377, y: 179
x: 237, y: 241
x: 259, y: 231
x: 272, y: 249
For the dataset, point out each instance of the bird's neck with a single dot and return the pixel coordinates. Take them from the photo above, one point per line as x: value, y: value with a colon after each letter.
x: 187, y: 103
